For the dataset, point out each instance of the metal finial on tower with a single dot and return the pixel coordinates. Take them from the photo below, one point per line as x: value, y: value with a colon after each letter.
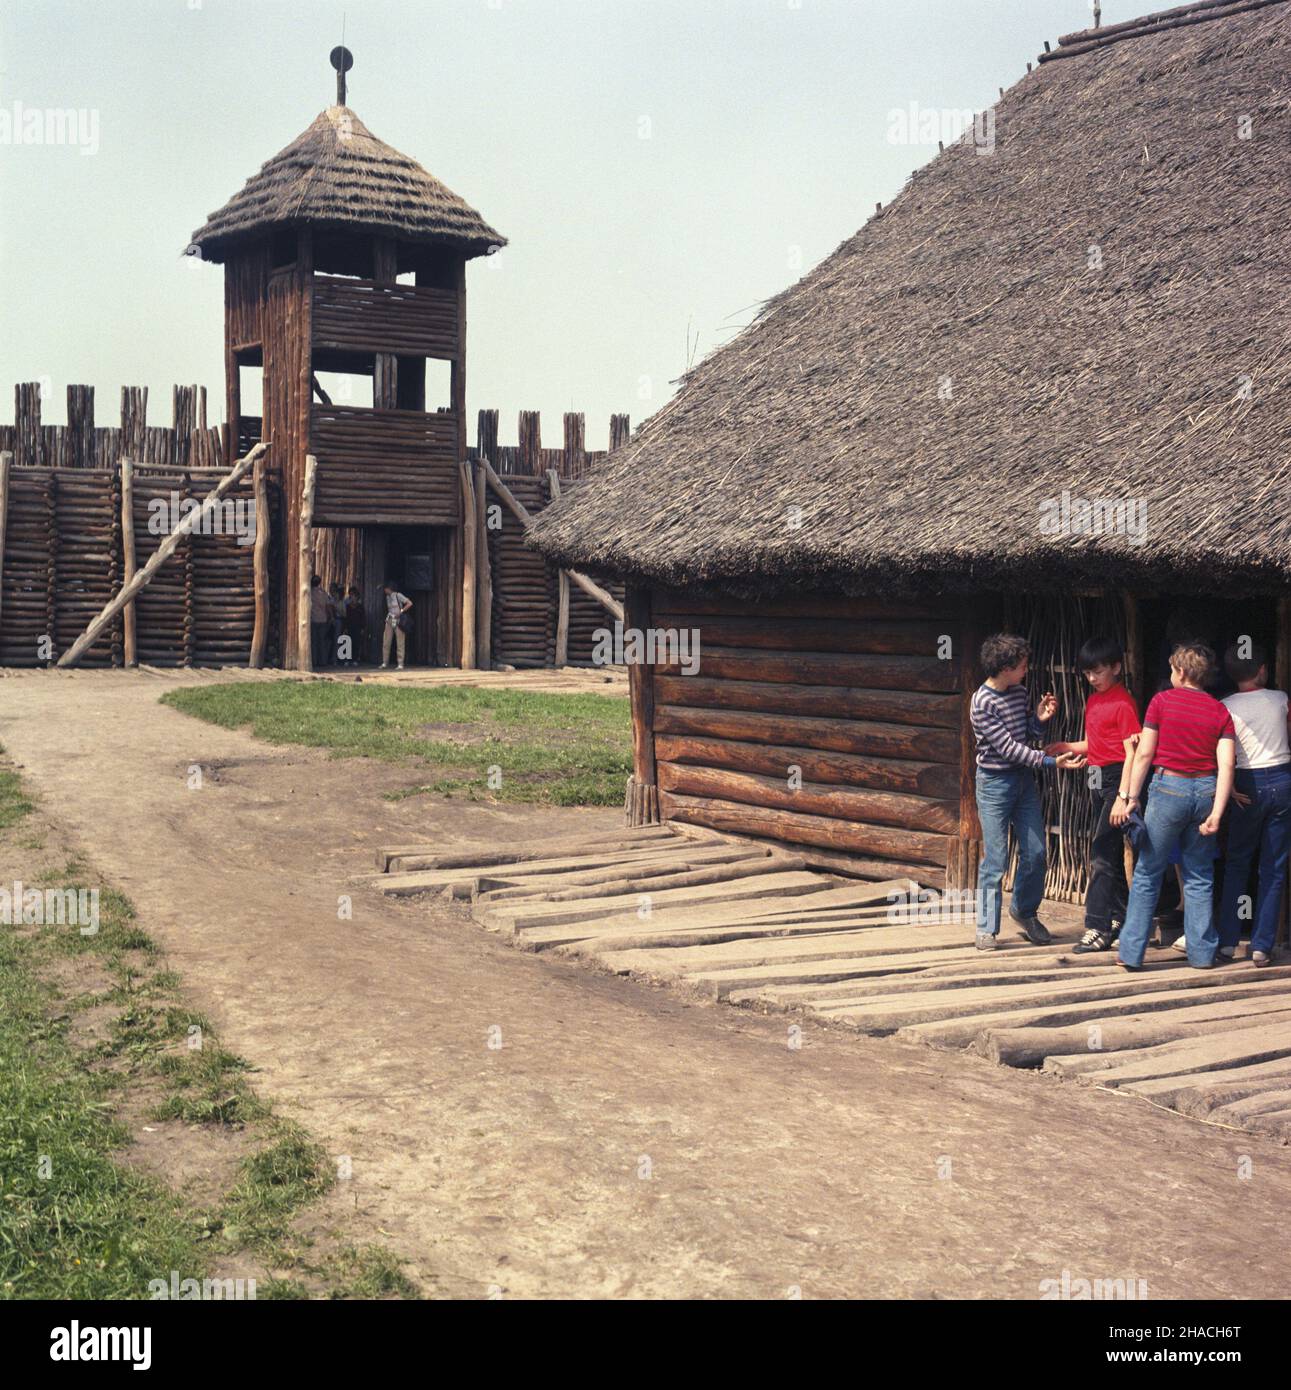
x: 342, y: 60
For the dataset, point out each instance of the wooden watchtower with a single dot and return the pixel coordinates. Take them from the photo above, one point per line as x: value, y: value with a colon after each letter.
x: 344, y: 256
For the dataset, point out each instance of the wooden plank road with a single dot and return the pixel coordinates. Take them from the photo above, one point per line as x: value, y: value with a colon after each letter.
x: 724, y: 918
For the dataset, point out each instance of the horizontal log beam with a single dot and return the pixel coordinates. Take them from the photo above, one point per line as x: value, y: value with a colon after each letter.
x: 792, y: 827
x: 835, y: 735
x: 894, y: 637
x: 825, y: 668
x: 805, y: 606
x: 938, y: 780
x: 842, y: 702
x: 908, y: 813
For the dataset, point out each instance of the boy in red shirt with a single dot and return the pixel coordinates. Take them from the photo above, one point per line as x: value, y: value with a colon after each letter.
x: 1111, y: 733
x: 1190, y: 738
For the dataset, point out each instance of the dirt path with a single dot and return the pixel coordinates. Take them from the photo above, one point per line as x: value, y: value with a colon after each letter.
x: 849, y: 1166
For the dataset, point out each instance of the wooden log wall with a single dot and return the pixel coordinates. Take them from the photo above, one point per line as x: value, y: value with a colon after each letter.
x: 824, y: 722
x: 525, y: 588
x: 397, y: 467
x: 64, y: 559
x: 390, y: 318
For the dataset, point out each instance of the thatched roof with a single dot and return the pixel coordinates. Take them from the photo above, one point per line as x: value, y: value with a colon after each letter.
x: 338, y: 174
x: 1096, y: 307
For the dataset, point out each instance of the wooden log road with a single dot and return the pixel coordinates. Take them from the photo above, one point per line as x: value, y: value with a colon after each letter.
x: 725, y: 918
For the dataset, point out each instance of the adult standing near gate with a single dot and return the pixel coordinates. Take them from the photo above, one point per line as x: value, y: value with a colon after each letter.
x: 398, y: 606
x: 320, y: 616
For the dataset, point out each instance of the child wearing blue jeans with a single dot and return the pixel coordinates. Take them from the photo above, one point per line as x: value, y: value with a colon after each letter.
x: 1007, y: 795
x: 1259, y: 823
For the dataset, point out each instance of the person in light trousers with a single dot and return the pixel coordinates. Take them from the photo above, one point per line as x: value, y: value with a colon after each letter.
x: 397, y: 606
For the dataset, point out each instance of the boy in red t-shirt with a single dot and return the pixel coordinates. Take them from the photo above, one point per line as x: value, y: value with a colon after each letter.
x: 1189, y: 737
x: 1111, y: 733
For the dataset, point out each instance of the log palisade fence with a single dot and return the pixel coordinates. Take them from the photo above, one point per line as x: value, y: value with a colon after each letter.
x: 68, y: 545
x: 518, y: 598
x: 526, y: 590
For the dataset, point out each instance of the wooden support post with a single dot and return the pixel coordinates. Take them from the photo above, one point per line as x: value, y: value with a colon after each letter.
x: 130, y: 557
x: 1282, y: 675
x: 484, y: 575
x: 78, y: 438
x: 470, y: 534
x: 305, y: 567
x: 593, y: 590
x: 642, y: 804
x: 51, y: 569
x: 184, y: 527
x: 260, y: 566
x: 574, y: 464
x: 1133, y: 669
x: 6, y: 464
x: 620, y: 431
x: 562, y: 608
x: 28, y: 436
x: 964, y: 850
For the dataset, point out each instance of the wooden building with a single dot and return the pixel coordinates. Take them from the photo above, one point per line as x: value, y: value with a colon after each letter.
x: 1046, y: 388
x: 344, y: 256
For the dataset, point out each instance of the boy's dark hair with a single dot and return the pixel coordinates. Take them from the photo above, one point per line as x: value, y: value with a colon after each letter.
x: 1099, y: 651
x: 1002, y: 652
x: 1245, y: 668
x: 315, y: 581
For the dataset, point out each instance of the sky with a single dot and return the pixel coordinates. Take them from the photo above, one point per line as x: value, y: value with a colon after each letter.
x: 659, y: 167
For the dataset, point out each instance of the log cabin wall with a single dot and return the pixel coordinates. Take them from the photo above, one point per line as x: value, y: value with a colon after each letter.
x: 827, y: 723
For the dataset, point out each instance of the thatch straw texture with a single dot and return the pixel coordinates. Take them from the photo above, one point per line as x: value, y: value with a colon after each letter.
x: 1097, y: 307
x: 338, y: 174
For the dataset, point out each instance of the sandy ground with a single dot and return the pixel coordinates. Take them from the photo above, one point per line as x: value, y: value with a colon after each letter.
x: 620, y: 1142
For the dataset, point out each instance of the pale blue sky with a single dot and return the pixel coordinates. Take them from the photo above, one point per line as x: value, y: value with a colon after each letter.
x: 768, y: 126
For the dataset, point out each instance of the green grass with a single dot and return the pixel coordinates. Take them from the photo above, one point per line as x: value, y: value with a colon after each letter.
x: 74, y: 1221
x: 499, y: 745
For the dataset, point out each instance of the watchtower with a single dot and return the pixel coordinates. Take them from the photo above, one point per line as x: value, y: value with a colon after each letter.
x: 344, y: 256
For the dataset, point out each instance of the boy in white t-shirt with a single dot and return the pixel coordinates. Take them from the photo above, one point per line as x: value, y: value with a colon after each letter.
x: 1260, y: 821
x: 398, y: 607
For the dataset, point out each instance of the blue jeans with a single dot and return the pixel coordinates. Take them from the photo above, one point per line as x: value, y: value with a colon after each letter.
x: 1175, y: 809
x: 1009, y: 798
x: 1263, y: 828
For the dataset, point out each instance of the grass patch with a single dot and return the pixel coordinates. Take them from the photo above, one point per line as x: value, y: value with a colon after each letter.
x: 75, y: 1222
x: 497, y: 745
x: 275, y: 1184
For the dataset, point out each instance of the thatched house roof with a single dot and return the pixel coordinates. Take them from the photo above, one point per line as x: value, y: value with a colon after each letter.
x: 338, y: 174
x: 1097, y: 307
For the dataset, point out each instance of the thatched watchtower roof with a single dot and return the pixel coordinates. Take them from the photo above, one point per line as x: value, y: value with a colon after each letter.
x: 338, y: 174
x: 1091, y: 301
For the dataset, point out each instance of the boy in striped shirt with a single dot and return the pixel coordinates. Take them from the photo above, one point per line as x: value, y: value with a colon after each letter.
x: 1007, y: 795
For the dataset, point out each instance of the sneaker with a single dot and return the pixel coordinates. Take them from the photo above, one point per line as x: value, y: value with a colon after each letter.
x: 1180, y: 944
x: 1225, y: 954
x: 399, y: 667
x: 986, y: 941
x: 1094, y: 940
x: 1259, y: 959
x: 1034, y: 930
x: 383, y: 667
